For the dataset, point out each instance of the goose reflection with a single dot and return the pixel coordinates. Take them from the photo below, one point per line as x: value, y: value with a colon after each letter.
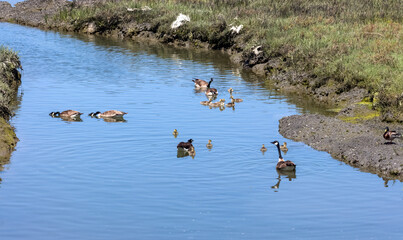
x: 120, y: 119
x: 283, y: 174
x: 181, y: 153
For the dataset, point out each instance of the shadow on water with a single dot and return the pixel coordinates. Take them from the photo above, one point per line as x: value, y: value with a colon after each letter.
x: 290, y: 175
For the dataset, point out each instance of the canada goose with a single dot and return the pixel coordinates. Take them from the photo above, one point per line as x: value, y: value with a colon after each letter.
x: 185, y: 146
x: 108, y: 114
x: 391, y: 135
x: 211, y: 91
x: 232, y: 103
x: 175, y: 133
x: 283, y: 165
x: 263, y: 149
x: 284, y: 147
x: 218, y: 104
x: 230, y: 90
x: 209, y: 145
x: 201, y: 83
x: 66, y: 114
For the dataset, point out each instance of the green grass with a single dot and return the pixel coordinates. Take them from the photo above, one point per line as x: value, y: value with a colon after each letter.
x: 9, y: 64
x: 350, y: 42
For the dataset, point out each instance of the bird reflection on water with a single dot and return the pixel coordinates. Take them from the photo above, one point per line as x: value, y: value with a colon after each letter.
x: 283, y: 174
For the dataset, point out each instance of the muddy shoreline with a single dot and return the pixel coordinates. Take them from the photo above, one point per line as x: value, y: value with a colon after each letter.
x: 357, y: 140
x: 359, y: 145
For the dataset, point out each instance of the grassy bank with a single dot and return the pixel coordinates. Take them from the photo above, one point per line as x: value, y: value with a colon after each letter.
x: 10, y: 79
x: 344, y: 43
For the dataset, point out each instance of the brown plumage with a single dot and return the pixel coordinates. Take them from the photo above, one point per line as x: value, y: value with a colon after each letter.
x: 391, y: 135
x: 206, y: 102
x: 283, y: 165
x: 186, y: 146
x: 232, y: 103
x: 218, y: 104
x: 201, y: 83
x: 66, y: 114
x: 108, y: 114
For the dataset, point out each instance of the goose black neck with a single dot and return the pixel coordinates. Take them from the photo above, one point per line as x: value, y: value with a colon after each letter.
x: 279, y: 151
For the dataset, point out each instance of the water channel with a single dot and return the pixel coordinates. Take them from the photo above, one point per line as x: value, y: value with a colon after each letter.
x: 95, y: 179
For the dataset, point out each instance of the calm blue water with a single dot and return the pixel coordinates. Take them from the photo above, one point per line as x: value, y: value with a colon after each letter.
x: 122, y: 180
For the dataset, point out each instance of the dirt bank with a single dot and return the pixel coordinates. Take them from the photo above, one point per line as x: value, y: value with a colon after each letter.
x: 10, y: 79
x: 359, y: 145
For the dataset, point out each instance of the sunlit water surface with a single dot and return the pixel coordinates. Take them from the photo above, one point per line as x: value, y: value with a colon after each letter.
x: 122, y: 180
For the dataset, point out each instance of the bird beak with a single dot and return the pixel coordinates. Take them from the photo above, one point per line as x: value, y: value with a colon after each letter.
x: 273, y: 142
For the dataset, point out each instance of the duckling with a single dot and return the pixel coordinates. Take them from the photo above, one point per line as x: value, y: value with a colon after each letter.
x: 209, y: 145
x: 206, y: 103
x: 232, y: 103
x: 211, y: 91
x: 284, y: 147
x: 192, y: 152
x: 283, y: 165
x: 66, y: 114
x: 108, y: 114
x: 175, y: 133
x: 230, y: 90
x: 201, y: 83
x: 391, y: 135
x: 263, y: 149
x: 218, y: 104
x: 238, y: 100
x: 185, y: 146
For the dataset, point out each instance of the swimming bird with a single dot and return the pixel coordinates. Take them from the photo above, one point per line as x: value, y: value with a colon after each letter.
x: 66, y: 114
x: 206, y: 103
x: 263, y: 149
x: 391, y: 135
x: 185, y: 146
x: 209, y: 145
x: 218, y: 104
x: 230, y: 90
x: 175, y: 133
x: 192, y: 152
x: 284, y: 147
x: 211, y: 91
x: 238, y: 100
x: 283, y: 165
x: 108, y: 114
x: 201, y: 83
x: 232, y: 103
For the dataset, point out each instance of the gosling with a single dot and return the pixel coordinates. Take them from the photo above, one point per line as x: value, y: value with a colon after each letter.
x: 209, y: 145
x: 263, y: 149
x: 218, y: 104
x: 175, y: 133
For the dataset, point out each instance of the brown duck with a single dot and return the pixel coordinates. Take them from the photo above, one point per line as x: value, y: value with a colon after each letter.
x: 391, y: 135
